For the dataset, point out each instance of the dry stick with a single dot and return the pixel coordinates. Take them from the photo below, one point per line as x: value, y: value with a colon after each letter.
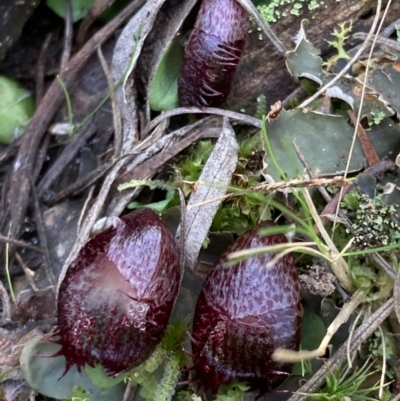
x: 19, y: 193
x: 271, y: 35
x: 66, y: 157
x: 317, y: 182
x: 389, y: 45
x: 41, y: 65
x: 366, y: 329
x: 68, y: 31
x: 85, y: 207
x: 388, y: 31
x: 366, y: 144
x: 5, y: 298
x: 273, y: 186
x: 242, y: 118
x: 43, y: 238
x: 80, y: 185
x: 41, y: 157
x: 383, y: 373
x: 117, y: 120
x: 97, y: 8
x: 364, y: 85
x: 28, y: 272
x: 381, y: 262
x: 19, y: 243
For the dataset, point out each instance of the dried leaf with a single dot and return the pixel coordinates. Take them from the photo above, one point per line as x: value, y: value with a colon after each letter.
x: 124, y: 59
x: 216, y: 175
x: 396, y: 296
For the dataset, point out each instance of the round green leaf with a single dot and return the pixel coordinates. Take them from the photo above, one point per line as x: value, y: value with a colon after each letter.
x: 16, y: 109
x: 80, y: 8
x: 163, y: 93
x: 312, y: 332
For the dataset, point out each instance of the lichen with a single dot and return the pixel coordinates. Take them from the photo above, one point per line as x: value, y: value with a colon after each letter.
x: 373, y: 224
x: 277, y: 9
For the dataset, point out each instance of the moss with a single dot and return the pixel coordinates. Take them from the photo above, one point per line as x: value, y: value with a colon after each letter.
x: 277, y: 9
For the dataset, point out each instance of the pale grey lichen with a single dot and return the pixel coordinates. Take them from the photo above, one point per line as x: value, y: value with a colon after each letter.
x: 373, y: 224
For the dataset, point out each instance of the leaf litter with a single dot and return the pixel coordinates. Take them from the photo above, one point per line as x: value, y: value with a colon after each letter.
x: 322, y: 132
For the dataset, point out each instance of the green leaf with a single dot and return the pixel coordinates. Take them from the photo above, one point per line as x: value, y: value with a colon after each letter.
x: 163, y: 94
x: 48, y: 376
x: 101, y: 380
x: 80, y: 8
x: 312, y: 332
x: 16, y: 109
x: 304, y: 61
x: 323, y: 139
x: 159, y: 207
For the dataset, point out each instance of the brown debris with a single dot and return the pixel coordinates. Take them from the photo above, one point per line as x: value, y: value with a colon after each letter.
x: 318, y: 281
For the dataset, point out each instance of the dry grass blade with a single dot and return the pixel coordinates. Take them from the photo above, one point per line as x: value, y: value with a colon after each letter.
x: 218, y: 169
x: 114, y: 107
x: 339, y: 265
x: 396, y: 296
x: 6, y: 302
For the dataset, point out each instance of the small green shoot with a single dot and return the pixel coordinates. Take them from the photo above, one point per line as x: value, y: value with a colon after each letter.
x: 339, y: 388
x: 167, y: 357
x: 69, y: 106
x: 7, y: 250
x: 377, y: 118
x: 341, y: 36
x: 152, y: 184
x: 232, y: 392
x: 174, y: 336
